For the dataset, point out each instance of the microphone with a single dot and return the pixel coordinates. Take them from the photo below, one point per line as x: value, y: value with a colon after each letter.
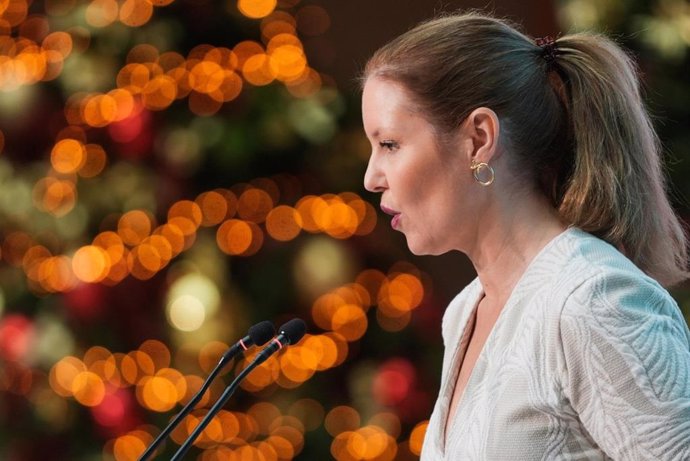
x: 258, y: 335
x: 290, y: 333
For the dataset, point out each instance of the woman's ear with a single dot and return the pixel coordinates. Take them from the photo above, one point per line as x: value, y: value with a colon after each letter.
x: 480, y: 131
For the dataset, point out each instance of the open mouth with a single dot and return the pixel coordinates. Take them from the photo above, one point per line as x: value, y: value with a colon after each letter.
x: 396, y: 216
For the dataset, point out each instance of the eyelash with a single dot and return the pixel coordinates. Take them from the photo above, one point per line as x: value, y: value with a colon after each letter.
x: 388, y: 145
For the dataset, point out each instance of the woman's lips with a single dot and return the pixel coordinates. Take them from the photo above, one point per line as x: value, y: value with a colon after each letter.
x: 396, y: 216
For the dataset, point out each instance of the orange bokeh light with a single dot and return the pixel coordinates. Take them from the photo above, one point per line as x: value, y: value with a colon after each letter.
x: 135, y: 13
x: 67, y: 156
x: 234, y: 236
x: 94, y: 162
x: 102, y: 13
x: 256, y: 9
x: 159, y: 93
x: 188, y: 210
x: 341, y: 419
x: 254, y: 205
x: 91, y: 264
x: 417, y: 437
x: 258, y: 70
x: 129, y: 447
x: 283, y: 223
x: 88, y: 388
x: 134, y: 226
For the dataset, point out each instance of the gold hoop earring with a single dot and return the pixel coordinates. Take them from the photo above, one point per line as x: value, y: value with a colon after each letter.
x: 477, y: 168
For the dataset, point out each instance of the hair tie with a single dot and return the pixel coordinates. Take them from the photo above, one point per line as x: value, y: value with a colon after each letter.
x: 549, y: 48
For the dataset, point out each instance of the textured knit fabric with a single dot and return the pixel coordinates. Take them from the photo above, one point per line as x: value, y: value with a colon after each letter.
x: 588, y: 360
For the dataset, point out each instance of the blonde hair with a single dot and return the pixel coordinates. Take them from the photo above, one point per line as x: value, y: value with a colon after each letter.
x: 576, y: 125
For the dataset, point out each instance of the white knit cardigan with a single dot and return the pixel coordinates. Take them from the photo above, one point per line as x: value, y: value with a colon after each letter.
x: 589, y: 359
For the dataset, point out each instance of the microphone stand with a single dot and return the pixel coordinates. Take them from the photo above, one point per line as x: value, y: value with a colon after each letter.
x: 234, y: 350
x: 290, y: 333
x: 215, y: 409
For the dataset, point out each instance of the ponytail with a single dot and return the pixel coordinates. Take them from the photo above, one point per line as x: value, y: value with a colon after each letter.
x: 616, y: 189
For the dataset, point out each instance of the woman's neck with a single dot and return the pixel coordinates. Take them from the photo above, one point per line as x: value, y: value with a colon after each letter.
x: 511, y: 237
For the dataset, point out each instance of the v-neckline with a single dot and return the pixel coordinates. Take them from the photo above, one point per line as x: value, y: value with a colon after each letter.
x: 456, y: 362
x: 448, y: 427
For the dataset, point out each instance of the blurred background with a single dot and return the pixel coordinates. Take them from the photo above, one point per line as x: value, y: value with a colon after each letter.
x: 174, y: 171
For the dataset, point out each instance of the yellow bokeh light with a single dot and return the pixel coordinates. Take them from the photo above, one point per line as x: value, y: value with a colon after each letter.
x: 186, y: 313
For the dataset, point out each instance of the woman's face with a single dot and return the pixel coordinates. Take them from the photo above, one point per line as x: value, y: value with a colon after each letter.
x: 423, y: 187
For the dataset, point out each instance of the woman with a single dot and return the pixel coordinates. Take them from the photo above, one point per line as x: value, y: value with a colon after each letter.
x: 538, y: 161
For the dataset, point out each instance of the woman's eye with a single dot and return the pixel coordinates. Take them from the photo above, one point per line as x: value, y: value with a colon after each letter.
x: 389, y: 145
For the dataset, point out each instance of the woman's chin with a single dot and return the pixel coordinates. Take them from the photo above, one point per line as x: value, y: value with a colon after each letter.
x: 419, y: 248
x: 424, y: 248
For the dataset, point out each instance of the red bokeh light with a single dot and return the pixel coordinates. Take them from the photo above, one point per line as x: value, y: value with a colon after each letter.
x: 393, y: 381
x: 16, y: 335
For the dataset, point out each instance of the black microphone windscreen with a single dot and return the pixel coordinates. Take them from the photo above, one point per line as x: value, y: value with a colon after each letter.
x: 294, y: 330
x: 261, y: 332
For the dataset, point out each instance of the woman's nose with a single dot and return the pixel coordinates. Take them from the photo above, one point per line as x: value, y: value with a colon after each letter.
x: 374, y: 178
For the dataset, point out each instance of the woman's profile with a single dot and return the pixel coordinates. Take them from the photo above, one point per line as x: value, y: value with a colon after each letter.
x: 537, y: 159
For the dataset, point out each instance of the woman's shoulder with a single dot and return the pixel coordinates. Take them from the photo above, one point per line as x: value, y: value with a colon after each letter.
x: 603, y: 283
x: 577, y: 258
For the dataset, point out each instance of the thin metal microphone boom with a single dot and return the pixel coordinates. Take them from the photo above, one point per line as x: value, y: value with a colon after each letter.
x: 257, y: 335
x: 290, y: 333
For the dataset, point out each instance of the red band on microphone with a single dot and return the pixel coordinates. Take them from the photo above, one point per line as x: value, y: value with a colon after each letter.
x: 280, y: 345
x: 243, y: 346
